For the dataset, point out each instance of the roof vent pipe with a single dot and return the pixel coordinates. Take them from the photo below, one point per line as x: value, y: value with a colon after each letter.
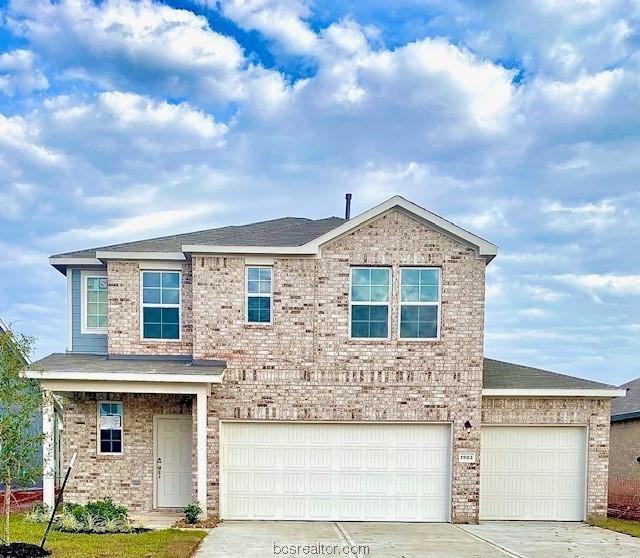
x: 347, y: 208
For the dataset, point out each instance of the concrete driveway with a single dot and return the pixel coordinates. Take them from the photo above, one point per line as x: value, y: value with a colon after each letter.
x: 265, y: 539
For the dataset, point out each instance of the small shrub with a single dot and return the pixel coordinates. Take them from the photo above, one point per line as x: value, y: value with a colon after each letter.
x: 39, y: 514
x: 118, y: 525
x: 192, y: 513
x: 68, y: 523
x: 92, y: 524
x: 105, y: 509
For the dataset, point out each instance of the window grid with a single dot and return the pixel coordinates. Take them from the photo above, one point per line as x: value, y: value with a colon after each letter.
x: 369, y: 303
x: 259, y: 295
x: 95, y: 302
x: 110, y: 439
x: 161, y: 298
x: 419, y: 316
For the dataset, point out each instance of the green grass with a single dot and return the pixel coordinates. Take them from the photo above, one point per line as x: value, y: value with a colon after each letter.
x: 620, y: 525
x: 166, y: 543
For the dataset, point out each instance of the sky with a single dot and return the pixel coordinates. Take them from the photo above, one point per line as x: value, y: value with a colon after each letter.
x: 122, y: 120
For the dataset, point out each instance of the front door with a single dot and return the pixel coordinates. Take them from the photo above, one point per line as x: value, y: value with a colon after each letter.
x: 173, y: 461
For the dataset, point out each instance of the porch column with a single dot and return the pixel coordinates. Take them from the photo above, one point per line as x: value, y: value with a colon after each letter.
x: 201, y: 441
x: 48, y: 454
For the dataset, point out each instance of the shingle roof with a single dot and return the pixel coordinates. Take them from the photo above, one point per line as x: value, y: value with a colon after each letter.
x: 630, y: 403
x: 288, y: 231
x: 79, y: 363
x: 506, y: 375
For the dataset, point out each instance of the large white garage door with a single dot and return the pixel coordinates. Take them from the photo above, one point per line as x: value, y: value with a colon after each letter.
x: 342, y: 472
x: 533, y: 473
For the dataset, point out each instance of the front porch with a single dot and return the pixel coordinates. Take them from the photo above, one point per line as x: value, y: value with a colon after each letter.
x: 137, y: 425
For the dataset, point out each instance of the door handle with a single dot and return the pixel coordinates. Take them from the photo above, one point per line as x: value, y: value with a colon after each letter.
x: 159, y: 467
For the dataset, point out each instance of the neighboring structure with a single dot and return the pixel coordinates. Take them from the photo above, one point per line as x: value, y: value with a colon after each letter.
x: 624, y: 467
x: 315, y: 370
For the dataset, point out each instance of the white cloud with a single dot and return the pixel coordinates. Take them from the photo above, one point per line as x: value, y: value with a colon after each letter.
x: 598, y: 215
x: 598, y: 284
x: 544, y: 294
x: 533, y: 312
x: 18, y: 75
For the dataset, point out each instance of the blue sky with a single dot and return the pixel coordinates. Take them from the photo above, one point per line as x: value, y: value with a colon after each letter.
x: 121, y: 120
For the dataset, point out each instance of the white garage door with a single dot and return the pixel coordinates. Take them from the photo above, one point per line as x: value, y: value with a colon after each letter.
x: 342, y: 472
x: 533, y: 473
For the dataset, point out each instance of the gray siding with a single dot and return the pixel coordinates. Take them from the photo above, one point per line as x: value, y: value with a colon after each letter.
x: 82, y: 343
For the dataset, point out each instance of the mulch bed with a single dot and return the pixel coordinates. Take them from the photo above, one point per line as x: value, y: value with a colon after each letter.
x: 208, y: 523
x: 22, y: 550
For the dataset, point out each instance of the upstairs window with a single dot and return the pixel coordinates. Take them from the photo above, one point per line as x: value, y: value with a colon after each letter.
x: 161, y: 305
x: 110, y: 425
x: 259, y: 295
x: 369, y: 302
x: 94, y: 303
x: 420, y: 303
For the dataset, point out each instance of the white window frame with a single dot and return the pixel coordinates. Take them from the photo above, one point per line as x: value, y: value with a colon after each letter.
x: 98, y: 429
x: 248, y: 295
x: 84, y: 328
x: 160, y: 305
x: 438, y: 304
x: 363, y: 303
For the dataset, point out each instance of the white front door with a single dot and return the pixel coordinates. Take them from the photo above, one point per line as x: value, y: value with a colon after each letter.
x: 173, y: 461
x: 339, y: 471
x: 533, y: 473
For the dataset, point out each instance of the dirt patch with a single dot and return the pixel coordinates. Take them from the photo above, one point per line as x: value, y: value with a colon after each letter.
x: 208, y: 523
x: 22, y: 550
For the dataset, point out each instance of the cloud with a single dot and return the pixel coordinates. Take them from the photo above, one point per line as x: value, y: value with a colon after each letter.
x: 18, y: 75
x: 597, y: 284
x: 139, y: 45
x: 544, y: 294
x: 590, y: 215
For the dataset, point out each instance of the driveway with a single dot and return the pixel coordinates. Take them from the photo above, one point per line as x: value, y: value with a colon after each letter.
x: 266, y: 539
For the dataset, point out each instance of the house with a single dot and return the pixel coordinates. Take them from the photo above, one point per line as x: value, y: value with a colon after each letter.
x: 624, y: 461
x: 301, y: 369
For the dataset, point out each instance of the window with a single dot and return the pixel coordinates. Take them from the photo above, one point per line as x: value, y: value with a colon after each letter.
x: 419, y: 303
x: 369, y: 302
x: 161, y: 305
x: 94, y: 302
x: 259, y: 295
x: 110, y: 425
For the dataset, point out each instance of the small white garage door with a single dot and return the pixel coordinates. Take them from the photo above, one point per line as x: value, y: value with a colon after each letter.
x: 533, y: 473
x: 341, y: 471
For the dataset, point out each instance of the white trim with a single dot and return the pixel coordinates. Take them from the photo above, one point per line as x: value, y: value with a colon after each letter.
x: 125, y: 377
x: 157, y: 265
x: 69, y: 274
x: 84, y: 328
x: 574, y: 392
x: 115, y: 255
x: 303, y: 250
x: 150, y: 305
x: 312, y: 248
x: 259, y: 261
x: 201, y: 449
x: 98, y: 428
x: 363, y: 303
x: 75, y: 261
x: 248, y: 295
x: 437, y: 304
x: 92, y: 386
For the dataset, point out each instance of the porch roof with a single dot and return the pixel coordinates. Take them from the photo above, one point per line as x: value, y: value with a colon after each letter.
x: 67, y: 367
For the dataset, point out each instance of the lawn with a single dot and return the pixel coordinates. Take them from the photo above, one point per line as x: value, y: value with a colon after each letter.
x: 167, y: 543
x: 620, y: 525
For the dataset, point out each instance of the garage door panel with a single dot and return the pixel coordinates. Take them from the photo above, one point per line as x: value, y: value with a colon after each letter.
x: 533, y: 473
x: 359, y: 472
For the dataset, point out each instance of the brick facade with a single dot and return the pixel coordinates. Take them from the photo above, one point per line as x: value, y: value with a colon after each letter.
x: 625, y: 450
x: 592, y: 413
x: 304, y: 366
x: 127, y: 478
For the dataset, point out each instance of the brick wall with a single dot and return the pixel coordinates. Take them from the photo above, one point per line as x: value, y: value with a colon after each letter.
x: 127, y: 478
x: 305, y: 367
x: 593, y: 413
x: 625, y: 449
x: 124, y: 335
